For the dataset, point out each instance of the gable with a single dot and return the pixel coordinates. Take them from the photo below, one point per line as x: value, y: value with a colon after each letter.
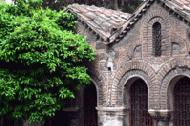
x: 112, y: 26
x: 179, y: 8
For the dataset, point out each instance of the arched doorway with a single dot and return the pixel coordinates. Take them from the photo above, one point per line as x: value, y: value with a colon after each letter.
x: 139, y: 115
x: 90, y: 103
x: 181, y: 102
x: 80, y: 111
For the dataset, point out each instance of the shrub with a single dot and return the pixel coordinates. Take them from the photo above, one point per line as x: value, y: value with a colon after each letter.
x: 41, y: 60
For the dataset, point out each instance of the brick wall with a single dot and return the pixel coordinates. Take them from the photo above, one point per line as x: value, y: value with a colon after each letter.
x: 132, y: 57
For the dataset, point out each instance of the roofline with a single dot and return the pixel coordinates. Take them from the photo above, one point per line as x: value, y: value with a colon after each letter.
x: 105, y: 38
x: 142, y: 10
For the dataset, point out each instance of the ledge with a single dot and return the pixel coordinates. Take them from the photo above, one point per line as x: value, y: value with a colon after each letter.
x: 111, y: 109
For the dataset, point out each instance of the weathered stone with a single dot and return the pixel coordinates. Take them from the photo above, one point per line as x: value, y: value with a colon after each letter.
x: 131, y: 38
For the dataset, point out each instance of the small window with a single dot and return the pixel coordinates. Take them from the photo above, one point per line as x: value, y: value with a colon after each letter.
x: 156, y: 38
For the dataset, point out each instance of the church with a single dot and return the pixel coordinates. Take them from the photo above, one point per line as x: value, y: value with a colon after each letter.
x: 141, y: 75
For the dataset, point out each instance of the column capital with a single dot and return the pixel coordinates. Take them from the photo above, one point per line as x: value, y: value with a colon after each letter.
x: 111, y: 109
x: 159, y: 114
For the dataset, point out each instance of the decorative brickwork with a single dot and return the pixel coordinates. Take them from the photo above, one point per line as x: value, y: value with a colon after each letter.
x: 125, y: 52
x: 128, y: 71
x: 167, y: 73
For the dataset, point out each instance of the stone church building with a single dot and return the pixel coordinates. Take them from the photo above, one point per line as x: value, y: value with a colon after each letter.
x: 142, y: 70
x: 141, y: 75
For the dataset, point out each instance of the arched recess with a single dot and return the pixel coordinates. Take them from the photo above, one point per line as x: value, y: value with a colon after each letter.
x: 156, y: 18
x: 90, y: 104
x: 91, y: 100
x: 174, y: 67
x: 98, y: 80
x: 97, y: 85
x: 178, y: 45
x: 179, y: 100
x: 128, y: 80
x: 79, y: 111
x: 168, y: 84
x: 128, y: 71
x: 136, y: 100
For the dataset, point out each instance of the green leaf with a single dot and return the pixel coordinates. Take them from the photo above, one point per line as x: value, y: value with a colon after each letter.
x: 42, y: 61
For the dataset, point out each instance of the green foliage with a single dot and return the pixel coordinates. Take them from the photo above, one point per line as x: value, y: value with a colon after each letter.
x: 2, y: 1
x: 41, y: 60
x: 131, y: 6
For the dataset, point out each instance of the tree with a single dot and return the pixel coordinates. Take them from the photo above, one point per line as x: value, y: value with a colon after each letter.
x: 115, y: 4
x: 41, y: 60
x: 124, y: 5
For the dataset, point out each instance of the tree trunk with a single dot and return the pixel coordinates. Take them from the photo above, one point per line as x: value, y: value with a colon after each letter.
x: 115, y: 4
x: 123, y: 3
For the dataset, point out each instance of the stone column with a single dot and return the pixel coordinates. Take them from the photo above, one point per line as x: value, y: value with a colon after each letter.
x: 111, y: 116
x: 160, y: 117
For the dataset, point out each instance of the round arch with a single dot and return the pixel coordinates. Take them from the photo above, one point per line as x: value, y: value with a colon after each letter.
x: 98, y: 80
x: 90, y: 114
x: 168, y: 84
x: 173, y: 82
x: 126, y: 82
x: 128, y: 71
x: 136, y: 93
x: 179, y: 100
x: 99, y: 91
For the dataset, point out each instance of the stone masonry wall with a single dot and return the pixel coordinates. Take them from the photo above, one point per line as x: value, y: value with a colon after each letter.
x: 132, y: 58
x: 134, y: 55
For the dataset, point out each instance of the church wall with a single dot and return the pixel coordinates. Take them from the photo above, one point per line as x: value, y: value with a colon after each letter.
x: 133, y: 57
x: 134, y: 52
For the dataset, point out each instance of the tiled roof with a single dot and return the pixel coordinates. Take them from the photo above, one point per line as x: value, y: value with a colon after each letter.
x: 181, y: 9
x: 185, y: 3
x: 183, y: 6
x: 105, y: 22
x: 113, y: 25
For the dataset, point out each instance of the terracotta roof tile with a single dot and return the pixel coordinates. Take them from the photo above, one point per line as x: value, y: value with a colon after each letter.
x: 113, y: 25
x: 104, y: 22
x: 181, y: 7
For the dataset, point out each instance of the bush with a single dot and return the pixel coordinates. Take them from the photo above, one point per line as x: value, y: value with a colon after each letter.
x: 41, y: 60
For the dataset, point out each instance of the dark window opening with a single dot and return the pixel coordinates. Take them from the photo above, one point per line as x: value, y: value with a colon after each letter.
x: 182, y: 102
x: 157, y: 38
x: 90, y: 103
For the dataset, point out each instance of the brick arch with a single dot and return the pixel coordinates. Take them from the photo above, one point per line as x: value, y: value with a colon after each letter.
x: 181, y: 42
x: 172, y: 69
x: 98, y: 82
x: 161, y: 16
x: 158, y: 11
x: 127, y: 81
x: 129, y: 70
x: 164, y: 33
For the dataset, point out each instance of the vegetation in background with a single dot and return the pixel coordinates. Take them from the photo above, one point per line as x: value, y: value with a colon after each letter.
x: 41, y: 60
x: 2, y: 1
x: 124, y: 5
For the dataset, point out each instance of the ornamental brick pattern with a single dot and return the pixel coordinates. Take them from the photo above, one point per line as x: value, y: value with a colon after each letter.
x: 123, y: 43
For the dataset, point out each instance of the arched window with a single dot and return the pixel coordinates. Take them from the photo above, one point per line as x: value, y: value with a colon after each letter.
x: 156, y: 39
